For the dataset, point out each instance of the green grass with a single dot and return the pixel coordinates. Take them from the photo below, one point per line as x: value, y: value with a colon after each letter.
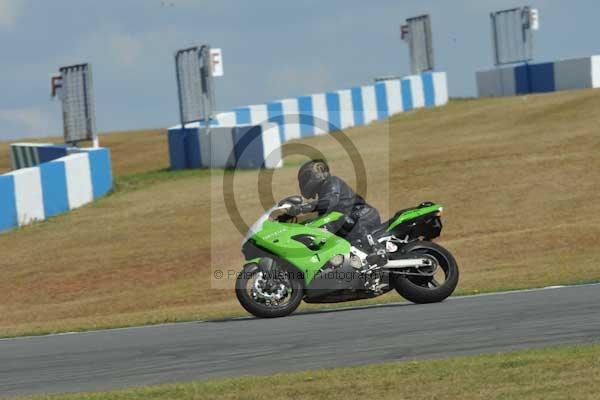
x: 568, y: 372
x: 140, y: 180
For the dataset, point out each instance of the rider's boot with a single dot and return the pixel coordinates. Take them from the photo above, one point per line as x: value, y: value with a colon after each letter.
x: 377, y: 254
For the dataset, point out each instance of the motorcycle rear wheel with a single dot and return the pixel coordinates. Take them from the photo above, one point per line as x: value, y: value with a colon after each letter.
x: 259, y: 307
x: 422, y: 290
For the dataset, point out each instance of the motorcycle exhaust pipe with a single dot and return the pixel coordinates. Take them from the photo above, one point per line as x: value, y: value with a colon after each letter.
x: 408, y: 263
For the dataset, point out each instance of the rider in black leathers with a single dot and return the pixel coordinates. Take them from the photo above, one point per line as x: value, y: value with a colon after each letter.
x: 333, y: 194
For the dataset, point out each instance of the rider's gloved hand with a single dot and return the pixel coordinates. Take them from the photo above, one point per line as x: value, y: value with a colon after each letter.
x: 297, y: 209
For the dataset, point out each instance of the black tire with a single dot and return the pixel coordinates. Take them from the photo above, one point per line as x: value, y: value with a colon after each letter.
x: 417, y: 289
x: 261, y: 310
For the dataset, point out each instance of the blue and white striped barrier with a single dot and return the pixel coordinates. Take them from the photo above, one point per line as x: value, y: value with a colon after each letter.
x: 257, y: 146
x: 25, y: 155
x: 243, y: 146
x: 321, y: 113
x: 578, y: 73
x: 36, y: 193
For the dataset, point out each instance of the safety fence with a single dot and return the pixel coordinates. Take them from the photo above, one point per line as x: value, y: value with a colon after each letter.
x: 244, y: 146
x: 578, y: 73
x: 306, y: 116
x: 54, y: 187
x: 25, y: 155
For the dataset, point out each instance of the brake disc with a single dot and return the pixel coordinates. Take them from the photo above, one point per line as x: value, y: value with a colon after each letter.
x: 268, y: 296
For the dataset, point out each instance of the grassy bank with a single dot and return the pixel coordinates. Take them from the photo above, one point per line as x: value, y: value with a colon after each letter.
x: 132, y: 151
x: 519, y: 179
x: 552, y: 373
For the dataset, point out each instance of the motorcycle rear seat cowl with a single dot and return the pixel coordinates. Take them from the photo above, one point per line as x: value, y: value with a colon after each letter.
x: 381, y: 230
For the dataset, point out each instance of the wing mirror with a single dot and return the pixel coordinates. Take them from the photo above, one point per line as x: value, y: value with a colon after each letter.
x: 294, y: 200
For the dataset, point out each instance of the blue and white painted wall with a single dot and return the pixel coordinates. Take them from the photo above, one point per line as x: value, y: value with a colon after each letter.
x: 242, y: 146
x: 25, y: 155
x: 52, y: 188
x: 321, y: 113
x: 578, y: 73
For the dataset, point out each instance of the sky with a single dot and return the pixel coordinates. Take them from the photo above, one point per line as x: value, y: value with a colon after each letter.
x: 271, y: 50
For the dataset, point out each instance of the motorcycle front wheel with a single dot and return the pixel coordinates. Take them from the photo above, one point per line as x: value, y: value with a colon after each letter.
x: 268, y: 295
x: 428, y: 289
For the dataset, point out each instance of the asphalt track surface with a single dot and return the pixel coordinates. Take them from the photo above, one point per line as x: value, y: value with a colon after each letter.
x: 120, y: 358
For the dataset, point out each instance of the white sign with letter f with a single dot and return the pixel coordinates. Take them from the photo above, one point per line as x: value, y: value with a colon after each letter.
x: 216, y: 58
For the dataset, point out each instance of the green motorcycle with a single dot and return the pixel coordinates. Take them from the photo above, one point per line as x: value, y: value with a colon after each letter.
x: 289, y: 260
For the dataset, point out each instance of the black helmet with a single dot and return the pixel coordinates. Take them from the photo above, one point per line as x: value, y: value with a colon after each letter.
x: 310, y: 176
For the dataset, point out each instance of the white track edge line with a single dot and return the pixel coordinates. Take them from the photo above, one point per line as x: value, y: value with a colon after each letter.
x: 167, y: 324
